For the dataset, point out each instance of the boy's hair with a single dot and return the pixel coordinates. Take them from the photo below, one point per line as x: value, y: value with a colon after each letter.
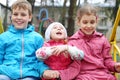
x: 22, y: 4
x: 86, y: 9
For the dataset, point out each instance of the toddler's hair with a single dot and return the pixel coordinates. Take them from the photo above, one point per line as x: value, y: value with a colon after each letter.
x: 86, y: 9
x: 22, y: 4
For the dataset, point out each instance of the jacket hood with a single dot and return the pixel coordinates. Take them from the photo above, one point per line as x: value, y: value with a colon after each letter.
x: 12, y: 29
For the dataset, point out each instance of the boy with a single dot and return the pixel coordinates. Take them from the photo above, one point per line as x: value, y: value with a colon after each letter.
x: 18, y: 46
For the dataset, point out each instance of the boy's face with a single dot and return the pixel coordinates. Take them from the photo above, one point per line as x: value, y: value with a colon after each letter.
x: 57, y: 33
x: 88, y: 24
x: 20, y: 18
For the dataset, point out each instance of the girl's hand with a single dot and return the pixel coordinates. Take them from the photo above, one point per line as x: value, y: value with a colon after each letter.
x: 56, y: 50
x: 117, y: 67
x: 50, y: 74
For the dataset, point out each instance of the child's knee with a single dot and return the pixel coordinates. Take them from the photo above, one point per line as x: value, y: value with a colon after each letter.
x: 4, y: 77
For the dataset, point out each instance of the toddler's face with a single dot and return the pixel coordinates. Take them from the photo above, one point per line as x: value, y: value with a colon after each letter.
x: 20, y: 18
x: 88, y: 24
x: 57, y: 32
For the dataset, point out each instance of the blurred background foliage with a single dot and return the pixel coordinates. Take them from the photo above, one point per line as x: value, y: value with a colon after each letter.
x: 68, y: 11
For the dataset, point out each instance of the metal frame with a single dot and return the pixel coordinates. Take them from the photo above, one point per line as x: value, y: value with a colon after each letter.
x: 115, y: 49
x: 1, y: 26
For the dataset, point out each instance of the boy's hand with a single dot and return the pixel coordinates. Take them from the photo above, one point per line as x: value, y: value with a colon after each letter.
x: 50, y: 74
x: 117, y: 67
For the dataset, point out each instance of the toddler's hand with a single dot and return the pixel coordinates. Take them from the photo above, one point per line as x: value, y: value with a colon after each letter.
x: 58, y: 49
x: 117, y: 67
x: 50, y: 74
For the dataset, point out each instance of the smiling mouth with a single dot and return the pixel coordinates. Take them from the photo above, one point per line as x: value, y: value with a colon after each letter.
x: 89, y: 30
x: 18, y: 22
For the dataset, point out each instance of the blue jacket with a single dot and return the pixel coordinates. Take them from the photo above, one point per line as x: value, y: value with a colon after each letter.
x: 17, y: 53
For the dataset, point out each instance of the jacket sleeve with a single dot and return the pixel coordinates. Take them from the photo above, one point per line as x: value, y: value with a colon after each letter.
x: 108, y: 61
x: 41, y: 67
x: 2, y: 51
x: 75, y: 53
x: 43, y: 53
x: 71, y: 72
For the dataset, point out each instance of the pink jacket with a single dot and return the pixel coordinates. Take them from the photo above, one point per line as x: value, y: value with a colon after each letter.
x: 97, y: 63
x: 60, y: 62
x: 57, y: 62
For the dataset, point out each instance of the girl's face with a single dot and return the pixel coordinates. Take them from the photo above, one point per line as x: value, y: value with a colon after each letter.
x: 88, y: 24
x: 20, y: 18
x: 57, y: 32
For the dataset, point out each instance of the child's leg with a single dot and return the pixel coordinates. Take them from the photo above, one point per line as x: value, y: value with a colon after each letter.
x: 4, y: 77
x: 71, y: 72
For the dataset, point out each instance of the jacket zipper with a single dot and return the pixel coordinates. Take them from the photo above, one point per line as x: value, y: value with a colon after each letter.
x: 22, y: 56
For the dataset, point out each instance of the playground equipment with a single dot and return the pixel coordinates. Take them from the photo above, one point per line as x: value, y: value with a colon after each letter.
x: 115, y: 49
x: 1, y: 26
x: 43, y: 20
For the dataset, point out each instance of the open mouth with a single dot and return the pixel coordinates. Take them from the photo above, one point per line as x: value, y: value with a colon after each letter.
x: 59, y: 33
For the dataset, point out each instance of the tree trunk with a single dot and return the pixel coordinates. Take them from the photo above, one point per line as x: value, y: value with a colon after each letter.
x: 115, y: 9
x: 62, y: 19
x: 5, y: 18
x: 71, y: 18
x: 32, y: 4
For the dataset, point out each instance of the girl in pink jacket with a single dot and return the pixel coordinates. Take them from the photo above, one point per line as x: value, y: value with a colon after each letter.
x: 56, y: 52
x: 97, y: 63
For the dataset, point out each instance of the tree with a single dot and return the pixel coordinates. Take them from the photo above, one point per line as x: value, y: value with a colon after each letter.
x: 115, y: 9
x: 63, y: 12
x: 71, y: 17
x: 32, y: 4
x: 6, y: 14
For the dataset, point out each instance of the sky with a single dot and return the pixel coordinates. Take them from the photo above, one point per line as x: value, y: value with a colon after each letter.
x: 59, y: 1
